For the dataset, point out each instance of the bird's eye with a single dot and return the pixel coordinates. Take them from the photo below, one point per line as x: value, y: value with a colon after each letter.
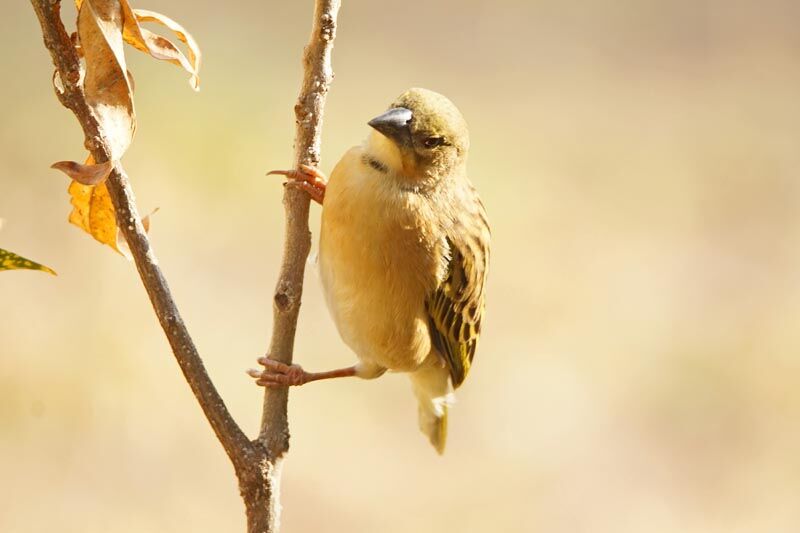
x: 433, y: 142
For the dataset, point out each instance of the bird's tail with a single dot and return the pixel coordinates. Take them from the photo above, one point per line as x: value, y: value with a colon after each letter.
x: 435, y: 395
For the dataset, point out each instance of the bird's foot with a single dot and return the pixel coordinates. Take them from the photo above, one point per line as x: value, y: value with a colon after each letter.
x: 276, y: 374
x: 307, y: 178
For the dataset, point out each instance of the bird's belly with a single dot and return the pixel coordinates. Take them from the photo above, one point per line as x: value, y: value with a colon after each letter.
x: 377, y: 302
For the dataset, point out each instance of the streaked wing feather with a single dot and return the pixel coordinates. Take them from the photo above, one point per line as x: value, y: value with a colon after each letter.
x: 455, y: 308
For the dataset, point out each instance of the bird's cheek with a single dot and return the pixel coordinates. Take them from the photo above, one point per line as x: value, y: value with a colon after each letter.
x: 410, y: 165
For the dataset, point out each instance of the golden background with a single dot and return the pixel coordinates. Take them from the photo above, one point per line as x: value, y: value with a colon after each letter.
x: 639, y: 364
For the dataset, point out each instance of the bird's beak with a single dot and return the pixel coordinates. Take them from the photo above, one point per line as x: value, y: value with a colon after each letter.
x: 394, y: 124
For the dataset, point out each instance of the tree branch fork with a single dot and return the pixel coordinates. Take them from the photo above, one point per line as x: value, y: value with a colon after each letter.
x: 257, y: 463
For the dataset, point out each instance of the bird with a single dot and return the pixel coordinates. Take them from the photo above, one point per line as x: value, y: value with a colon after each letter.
x: 403, y: 255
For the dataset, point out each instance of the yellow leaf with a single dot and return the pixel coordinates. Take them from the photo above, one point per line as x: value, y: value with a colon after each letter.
x: 106, y: 84
x: 92, y: 174
x: 159, y: 47
x: 11, y: 261
x: 92, y: 210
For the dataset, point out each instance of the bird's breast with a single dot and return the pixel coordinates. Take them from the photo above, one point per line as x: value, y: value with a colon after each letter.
x: 379, y: 259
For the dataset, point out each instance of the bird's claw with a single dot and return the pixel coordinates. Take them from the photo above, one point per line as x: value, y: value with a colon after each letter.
x: 306, y: 178
x: 276, y: 374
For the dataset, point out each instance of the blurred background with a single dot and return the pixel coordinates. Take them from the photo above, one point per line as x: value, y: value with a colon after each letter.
x: 639, y: 365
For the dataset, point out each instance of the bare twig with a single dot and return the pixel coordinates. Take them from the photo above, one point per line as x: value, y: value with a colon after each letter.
x: 318, y: 75
x: 67, y: 66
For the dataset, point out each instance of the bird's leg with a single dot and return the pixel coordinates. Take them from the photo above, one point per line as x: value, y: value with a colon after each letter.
x: 307, y: 178
x: 276, y: 373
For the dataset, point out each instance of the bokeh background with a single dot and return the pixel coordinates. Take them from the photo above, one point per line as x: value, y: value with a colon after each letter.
x: 640, y: 362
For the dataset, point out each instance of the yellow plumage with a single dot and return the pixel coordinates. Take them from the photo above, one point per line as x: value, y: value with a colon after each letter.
x: 403, y: 259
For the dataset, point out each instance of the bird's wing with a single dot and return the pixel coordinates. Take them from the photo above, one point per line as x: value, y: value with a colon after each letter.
x: 455, y: 308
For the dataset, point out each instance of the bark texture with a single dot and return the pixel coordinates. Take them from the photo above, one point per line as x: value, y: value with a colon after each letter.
x: 318, y: 75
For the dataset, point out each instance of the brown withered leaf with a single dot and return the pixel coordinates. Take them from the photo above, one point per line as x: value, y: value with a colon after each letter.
x: 157, y: 46
x: 106, y: 86
x: 92, y: 210
x: 93, y: 174
x: 103, y: 27
x: 160, y: 47
x: 12, y: 261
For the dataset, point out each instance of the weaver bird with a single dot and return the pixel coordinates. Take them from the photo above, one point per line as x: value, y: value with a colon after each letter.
x: 404, y: 253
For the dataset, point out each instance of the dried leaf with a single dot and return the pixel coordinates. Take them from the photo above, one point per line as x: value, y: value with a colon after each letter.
x: 93, y: 174
x: 157, y: 46
x: 106, y: 85
x: 103, y: 27
x: 109, y: 94
x: 131, y: 81
x: 160, y: 47
x: 92, y: 210
x: 12, y: 261
x: 146, y: 219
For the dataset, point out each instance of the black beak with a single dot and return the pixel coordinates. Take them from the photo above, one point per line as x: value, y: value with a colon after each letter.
x: 394, y: 124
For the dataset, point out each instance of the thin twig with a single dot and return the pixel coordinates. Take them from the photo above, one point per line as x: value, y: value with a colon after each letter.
x: 289, y: 289
x: 318, y: 75
x: 236, y: 444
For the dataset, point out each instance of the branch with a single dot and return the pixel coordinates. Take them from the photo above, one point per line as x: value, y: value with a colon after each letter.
x: 318, y: 75
x: 236, y: 444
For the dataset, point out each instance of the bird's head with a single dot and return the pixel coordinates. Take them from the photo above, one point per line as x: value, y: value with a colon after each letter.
x: 421, y: 138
